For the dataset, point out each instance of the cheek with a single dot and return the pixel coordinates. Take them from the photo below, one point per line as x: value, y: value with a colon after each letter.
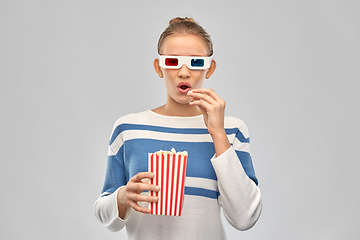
x: 169, y: 73
x: 200, y: 78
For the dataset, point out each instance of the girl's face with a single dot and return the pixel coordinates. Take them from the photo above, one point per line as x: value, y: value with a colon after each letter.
x: 179, y: 81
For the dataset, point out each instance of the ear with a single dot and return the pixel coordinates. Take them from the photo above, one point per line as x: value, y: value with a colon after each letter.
x: 158, y: 68
x: 211, y: 69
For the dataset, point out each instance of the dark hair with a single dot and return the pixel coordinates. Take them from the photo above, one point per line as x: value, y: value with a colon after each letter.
x: 185, y: 25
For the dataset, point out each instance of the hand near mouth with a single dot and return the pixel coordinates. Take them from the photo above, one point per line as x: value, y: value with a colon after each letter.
x: 213, y: 109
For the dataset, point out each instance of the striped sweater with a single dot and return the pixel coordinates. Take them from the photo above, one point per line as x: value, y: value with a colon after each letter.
x: 226, y: 181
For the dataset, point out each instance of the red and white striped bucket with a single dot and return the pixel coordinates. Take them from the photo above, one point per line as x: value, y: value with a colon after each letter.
x: 170, y: 171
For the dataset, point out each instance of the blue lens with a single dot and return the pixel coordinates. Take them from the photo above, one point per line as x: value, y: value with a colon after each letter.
x: 197, y: 62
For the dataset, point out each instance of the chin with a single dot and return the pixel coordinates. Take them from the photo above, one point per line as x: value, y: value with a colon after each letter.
x: 183, y: 99
x: 184, y: 102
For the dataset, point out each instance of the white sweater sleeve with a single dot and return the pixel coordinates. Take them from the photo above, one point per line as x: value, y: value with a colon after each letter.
x: 106, y: 211
x: 239, y: 197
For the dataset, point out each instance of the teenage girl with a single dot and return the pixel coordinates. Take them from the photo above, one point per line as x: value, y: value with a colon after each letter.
x: 219, y: 169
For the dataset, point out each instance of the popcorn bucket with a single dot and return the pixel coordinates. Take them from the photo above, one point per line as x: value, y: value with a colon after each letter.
x: 170, y: 171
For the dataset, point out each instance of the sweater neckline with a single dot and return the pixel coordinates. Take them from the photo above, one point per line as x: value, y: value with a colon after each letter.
x: 174, y: 117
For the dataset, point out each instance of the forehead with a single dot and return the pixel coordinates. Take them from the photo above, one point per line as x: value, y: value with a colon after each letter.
x: 184, y: 45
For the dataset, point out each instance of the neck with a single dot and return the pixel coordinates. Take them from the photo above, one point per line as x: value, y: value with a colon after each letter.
x: 172, y: 108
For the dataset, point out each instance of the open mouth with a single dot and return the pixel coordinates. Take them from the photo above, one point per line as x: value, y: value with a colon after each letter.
x: 184, y: 87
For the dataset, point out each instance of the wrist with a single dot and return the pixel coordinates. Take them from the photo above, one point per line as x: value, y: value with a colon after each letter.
x: 121, y: 207
x: 218, y: 134
x: 221, y: 142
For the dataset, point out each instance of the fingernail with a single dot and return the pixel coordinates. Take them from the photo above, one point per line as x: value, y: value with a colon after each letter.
x: 157, y: 188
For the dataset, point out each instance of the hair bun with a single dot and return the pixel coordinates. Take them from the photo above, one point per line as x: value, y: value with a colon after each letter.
x: 180, y: 19
x: 185, y: 25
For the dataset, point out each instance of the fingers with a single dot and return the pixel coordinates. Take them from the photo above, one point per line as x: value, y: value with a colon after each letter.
x: 142, y: 198
x: 136, y: 207
x: 133, y: 189
x: 204, y: 96
x: 142, y: 175
x: 212, y: 108
x: 135, y: 198
x: 205, y: 92
x: 202, y: 100
x: 138, y: 183
x: 141, y: 187
x: 207, y: 99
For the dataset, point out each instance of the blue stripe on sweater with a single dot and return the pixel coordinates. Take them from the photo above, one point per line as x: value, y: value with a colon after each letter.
x: 114, y: 178
x: 126, y: 126
x: 136, y: 152
x: 246, y: 162
x: 201, y: 192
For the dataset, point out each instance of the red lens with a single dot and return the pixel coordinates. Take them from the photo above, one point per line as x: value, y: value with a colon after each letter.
x: 171, y: 61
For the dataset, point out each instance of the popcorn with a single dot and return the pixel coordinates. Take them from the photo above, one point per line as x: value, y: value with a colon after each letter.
x: 173, y: 151
x: 169, y: 168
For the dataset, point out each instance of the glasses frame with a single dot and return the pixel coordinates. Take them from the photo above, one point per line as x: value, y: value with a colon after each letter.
x: 185, y: 60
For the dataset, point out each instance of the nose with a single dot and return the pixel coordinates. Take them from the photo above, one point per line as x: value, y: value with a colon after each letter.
x: 184, y: 72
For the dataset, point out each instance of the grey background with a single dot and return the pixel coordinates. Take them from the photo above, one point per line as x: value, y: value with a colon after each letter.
x: 69, y: 69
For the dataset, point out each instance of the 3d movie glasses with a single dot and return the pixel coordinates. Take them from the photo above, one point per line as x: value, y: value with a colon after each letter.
x: 192, y: 62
